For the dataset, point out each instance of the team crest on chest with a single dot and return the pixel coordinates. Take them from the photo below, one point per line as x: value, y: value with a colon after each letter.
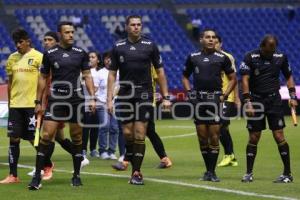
x: 121, y: 59
x: 30, y: 61
x: 56, y: 65
x: 256, y: 72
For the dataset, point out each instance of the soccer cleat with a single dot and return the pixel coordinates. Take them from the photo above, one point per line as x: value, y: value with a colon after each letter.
x: 33, y: 172
x: 165, y: 162
x: 10, y: 179
x: 48, y: 172
x: 112, y: 156
x: 35, y: 183
x: 234, y: 162
x: 76, y: 181
x: 84, y: 162
x: 206, y: 176
x: 284, y: 179
x: 225, y: 161
x: 247, y: 178
x: 94, y: 154
x: 104, y: 156
x: 136, y: 178
x: 121, y: 158
x: 120, y: 166
x: 214, y: 178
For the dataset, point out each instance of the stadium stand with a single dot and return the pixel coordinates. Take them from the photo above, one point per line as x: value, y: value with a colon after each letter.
x: 241, y: 28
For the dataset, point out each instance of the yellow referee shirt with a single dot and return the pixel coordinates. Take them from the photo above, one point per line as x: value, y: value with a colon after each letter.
x: 23, y: 71
x: 225, y: 80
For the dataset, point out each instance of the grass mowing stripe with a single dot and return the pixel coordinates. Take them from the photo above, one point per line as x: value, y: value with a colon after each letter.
x: 178, y: 183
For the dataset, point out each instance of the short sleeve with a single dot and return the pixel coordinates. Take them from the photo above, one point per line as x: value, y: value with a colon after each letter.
x: 156, y: 58
x: 286, y: 68
x: 232, y: 62
x: 188, y: 67
x: 114, y: 60
x: 227, y: 65
x: 85, y: 62
x: 46, y: 64
x: 9, y: 64
x: 245, y: 65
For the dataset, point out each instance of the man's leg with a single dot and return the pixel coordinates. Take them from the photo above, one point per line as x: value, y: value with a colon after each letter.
x: 103, y: 133
x: 94, y: 133
x: 13, y: 158
x: 284, y: 152
x: 214, y: 149
x: 202, y: 133
x: 76, y: 137
x: 113, y: 136
x: 47, y: 136
x: 251, y: 151
x: 85, y: 133
x: 65, y: 143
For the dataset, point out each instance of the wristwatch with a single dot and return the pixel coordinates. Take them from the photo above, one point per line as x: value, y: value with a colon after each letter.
x: 167, y: 97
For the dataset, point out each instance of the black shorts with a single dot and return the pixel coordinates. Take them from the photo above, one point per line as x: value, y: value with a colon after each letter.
x: 207, y: 109
x: 136, y: 109
x: 228, y: 110
x: 21, y: 123
x: 64, y: 111
x: 272, y: 110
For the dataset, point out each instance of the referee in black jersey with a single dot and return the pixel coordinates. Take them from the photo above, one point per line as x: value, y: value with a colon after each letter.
x: 133, y: 58
x: 65, y: 63
x: 260, y: 72
x: 206, y: 66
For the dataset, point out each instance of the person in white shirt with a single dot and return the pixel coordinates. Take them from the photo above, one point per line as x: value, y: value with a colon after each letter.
x: 109, y: 129
x: 91, y: 120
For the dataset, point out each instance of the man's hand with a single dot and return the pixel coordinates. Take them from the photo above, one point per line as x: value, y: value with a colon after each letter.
x: 110, y: 108
x: 249, y: 109
x: 166, y: 105
x: 237, y: 102
x: 38, y: 109
x: 293, y: 103
x: 92, y: 105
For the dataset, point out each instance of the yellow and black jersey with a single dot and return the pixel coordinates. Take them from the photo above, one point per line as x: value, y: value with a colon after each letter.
x: 23, y: 71
x: 225, y: 80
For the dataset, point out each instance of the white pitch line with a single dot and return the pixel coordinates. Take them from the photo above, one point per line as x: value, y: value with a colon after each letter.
x: 175, y: 126
x: 178, y: 183
x: 178, y: 136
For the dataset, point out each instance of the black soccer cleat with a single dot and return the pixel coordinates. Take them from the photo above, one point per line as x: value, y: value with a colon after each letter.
x: 76, y: 181
x: 284, y: 179
x: 214, y: 178
x: 35, y: 183
x: 206, y: 176
x: 136, y: 178
x: 247, y: 178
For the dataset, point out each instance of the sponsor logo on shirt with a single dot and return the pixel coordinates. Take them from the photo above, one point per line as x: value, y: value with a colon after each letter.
x: 219, y: 54
x: 255, y: 55
x: 120, y: 44
x: 195, y: 54
x: 76, y: 49
x: 132, y: 48
x: 243, y: 66
x: 52, y: 50
x: 65, y: 55
x: 205, y: 60
x: 145, y: 42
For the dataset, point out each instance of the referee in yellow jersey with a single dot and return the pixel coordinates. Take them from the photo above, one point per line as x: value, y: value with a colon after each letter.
x: 229, y: 110
x: 22, y: 69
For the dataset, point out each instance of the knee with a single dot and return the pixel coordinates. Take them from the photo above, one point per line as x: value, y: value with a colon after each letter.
x: 254, y: 139
x: 46, y: 136
x: 14, y: 140
x: 76, y: 139
x: 279, y: 136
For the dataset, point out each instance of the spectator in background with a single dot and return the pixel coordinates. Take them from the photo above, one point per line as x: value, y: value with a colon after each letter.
x: 109, y: 129
x: 91, y: 120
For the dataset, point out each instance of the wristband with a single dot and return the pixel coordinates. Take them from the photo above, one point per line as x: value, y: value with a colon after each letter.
x: 292, y: 92
x: 246, y: 97
x: 36, y: 102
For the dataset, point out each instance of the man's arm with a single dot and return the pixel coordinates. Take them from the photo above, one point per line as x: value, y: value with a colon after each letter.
x: 110, y: 89
x: 246, y: 95
x: 9, y: 88
x: 231, y: 83
x: 42, y: 83
x: 186, y: 83
x: 162, y: 81
x: 291, y: 87
x: 87, y: 76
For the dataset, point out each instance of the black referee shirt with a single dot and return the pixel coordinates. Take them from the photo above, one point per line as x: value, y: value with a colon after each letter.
x: 133, y: 60
x: 206, y: 70
x: 264, y: 73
